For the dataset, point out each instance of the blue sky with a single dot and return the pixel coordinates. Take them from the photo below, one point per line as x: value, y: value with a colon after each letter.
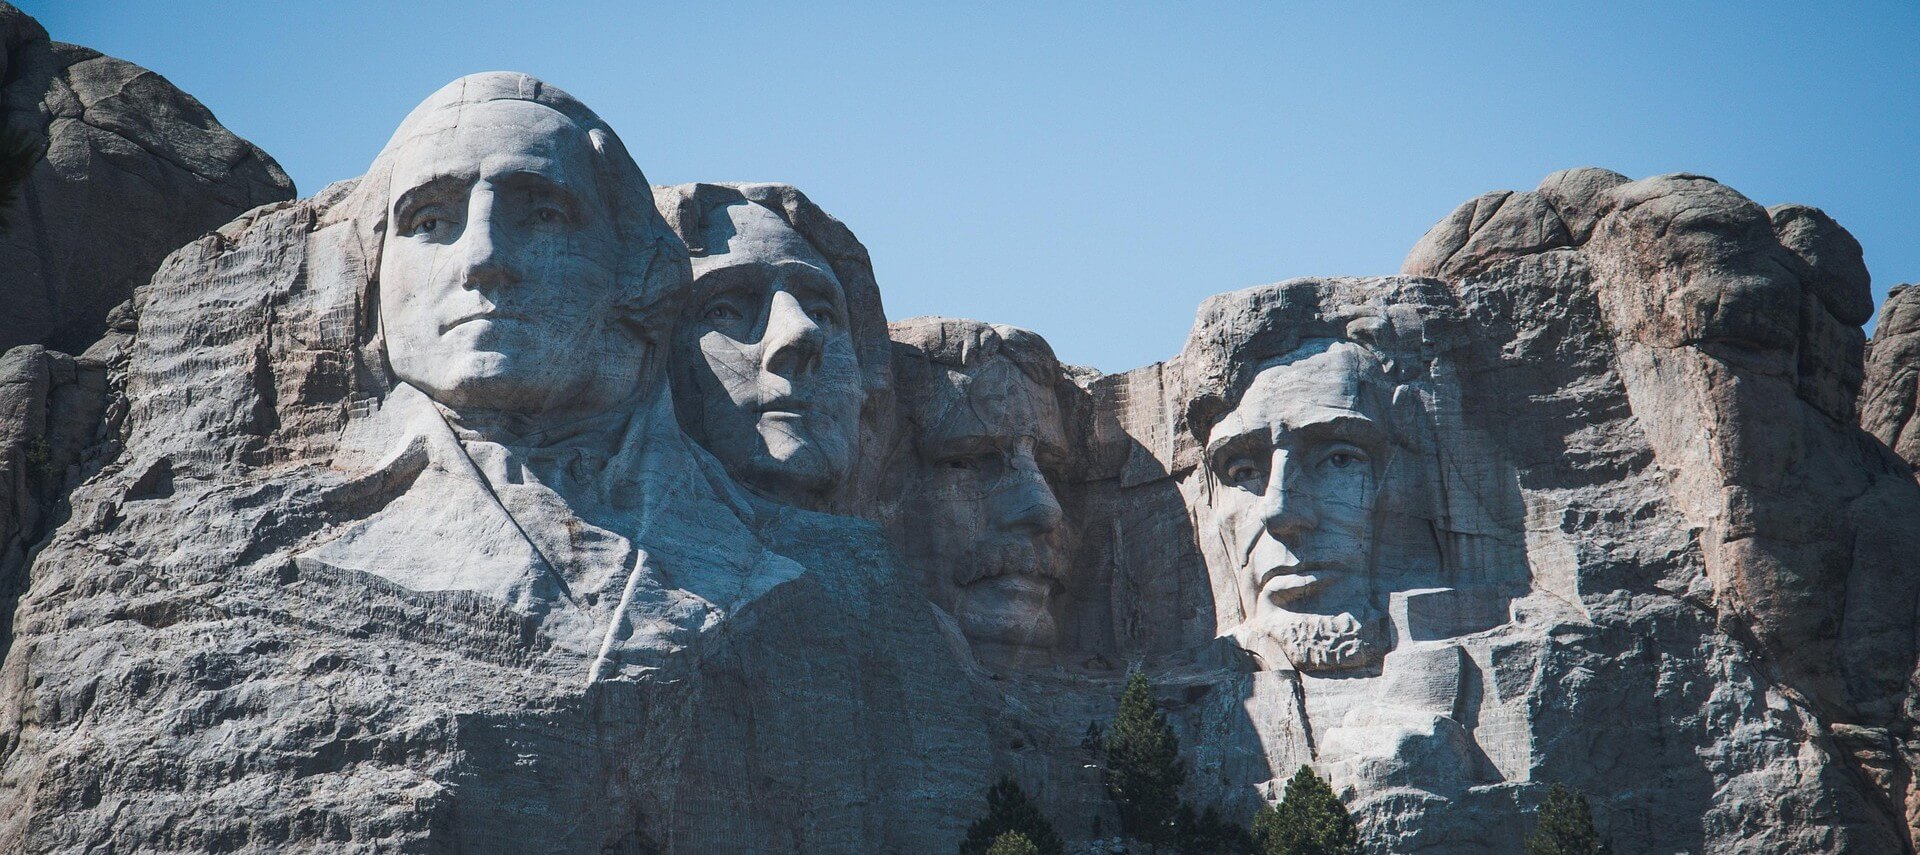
x: 1092, y: 171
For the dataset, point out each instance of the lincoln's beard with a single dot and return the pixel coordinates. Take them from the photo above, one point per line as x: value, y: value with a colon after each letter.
x: 1318, y: 643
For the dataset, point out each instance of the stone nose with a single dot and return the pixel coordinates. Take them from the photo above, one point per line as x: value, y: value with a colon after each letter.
x: 483, y: 258
x: 793, y: 341
x: 1025, y: 503
x: 1286, y: 510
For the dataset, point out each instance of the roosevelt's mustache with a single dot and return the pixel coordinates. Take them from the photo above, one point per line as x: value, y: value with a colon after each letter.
x: 993, y: 558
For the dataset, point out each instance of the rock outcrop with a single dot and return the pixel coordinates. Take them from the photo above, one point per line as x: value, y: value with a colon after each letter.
x: 1686, y: 376
x: 496, y: 501
x: 1892, y: 386
x: 134, y: 168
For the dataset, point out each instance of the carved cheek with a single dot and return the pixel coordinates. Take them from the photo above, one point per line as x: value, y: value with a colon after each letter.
x: 736, y: 366
x: 836, y: 387
x: 408, y: 291
x: 1347, y: 509
x: 1240, y: 521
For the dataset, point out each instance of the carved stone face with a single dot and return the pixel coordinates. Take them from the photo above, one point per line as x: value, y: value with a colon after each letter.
x: 767, y: 364
x: 1295, y: 472
x: 986, y: 526
x: 497, y: 271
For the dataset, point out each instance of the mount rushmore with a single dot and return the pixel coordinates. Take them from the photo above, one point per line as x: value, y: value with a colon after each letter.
x: 499, y: 501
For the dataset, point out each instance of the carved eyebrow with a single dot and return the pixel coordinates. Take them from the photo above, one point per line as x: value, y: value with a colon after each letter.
x: 433, y: 189
x: 939, y: 446
x: 811, y: 280
x: 1057, y: 452
x: 1234, y: 441
x: 731, y: 280
x: 1355, y: 428
x: 526, y: 177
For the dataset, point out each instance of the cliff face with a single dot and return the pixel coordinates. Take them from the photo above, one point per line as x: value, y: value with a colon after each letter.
x: 1704, y: 357
x: 1893, y: 375
x: 414, y: 518
x: 134, y: 168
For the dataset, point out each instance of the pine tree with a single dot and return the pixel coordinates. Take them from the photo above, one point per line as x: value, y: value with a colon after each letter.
x: 1309, y: 820
x: 1009, y: 810
x: 1566, y: 826
x: 1208, y: 833
x: 1012, y: 843
x: 1144, y: 772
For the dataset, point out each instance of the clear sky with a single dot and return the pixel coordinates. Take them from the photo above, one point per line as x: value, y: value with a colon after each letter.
x: 1092, y: 171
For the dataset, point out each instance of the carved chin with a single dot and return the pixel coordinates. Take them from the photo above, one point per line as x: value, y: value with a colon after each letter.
x: 1320, y: 643
x: 795, y: 456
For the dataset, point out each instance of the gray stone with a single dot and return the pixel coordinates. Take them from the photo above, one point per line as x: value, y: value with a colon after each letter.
x: 348, y: 583
x: 972, y: 496
x: 467, y: 507
x: 1887, y: 403
x: 134, y: 168
x: 781, y: 361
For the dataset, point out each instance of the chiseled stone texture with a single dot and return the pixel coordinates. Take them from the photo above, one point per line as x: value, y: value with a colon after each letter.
x: 193, y: 671
x: 1892, y: 390
x: 134, y: 169
x: 375, y: 528
x: 1673, y: 370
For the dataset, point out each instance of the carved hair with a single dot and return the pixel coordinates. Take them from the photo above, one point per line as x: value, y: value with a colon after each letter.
x: 1401, y: 321
x: 962, y: 344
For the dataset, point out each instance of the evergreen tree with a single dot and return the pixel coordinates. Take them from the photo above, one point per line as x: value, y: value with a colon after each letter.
x: 1012, y: 843
x: 1009, y: 810
x: 1209, y: 833
x: 1144, y: 772
x: 1566, y: 826
x: 1309, y: 820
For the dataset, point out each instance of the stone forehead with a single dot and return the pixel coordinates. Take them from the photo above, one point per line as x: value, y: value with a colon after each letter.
x: 961, y: 344
x: 1400, y: 319
x: 441, y: 110
x: 992, y: 396
x: 1336, y: 367
x: 738, y: 226
x: 1318, y: 381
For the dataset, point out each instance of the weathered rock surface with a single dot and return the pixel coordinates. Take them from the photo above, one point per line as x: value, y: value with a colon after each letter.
x: 417, y: 518
x: 134, y: 168
x: 1892, y: 387
x: 57, y: 418
x: 1679, y: 405
x: 315, y: 705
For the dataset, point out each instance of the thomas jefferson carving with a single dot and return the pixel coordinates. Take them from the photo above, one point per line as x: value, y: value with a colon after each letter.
x: 783, y: 344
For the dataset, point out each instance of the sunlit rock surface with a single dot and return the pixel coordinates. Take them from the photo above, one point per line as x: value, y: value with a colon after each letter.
x: 133, y: 169
x: 497, y: 501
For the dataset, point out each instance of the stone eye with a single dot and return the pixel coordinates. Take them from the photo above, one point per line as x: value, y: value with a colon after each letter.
x: 427, y: 226
x: 722, y: 313
x: 1344, y: 458
x: 964, y: 464
x: 549, y: 216
x: 1244, y: 473
x: 822, y: 317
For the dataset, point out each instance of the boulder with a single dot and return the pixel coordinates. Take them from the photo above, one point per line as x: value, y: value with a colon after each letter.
x: 133, y: 169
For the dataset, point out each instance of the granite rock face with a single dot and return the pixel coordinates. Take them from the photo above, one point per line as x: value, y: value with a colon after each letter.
x: 496, y: 501
x: 1892, y: 387
x: 134, y: 168
x: 1704, y: 356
